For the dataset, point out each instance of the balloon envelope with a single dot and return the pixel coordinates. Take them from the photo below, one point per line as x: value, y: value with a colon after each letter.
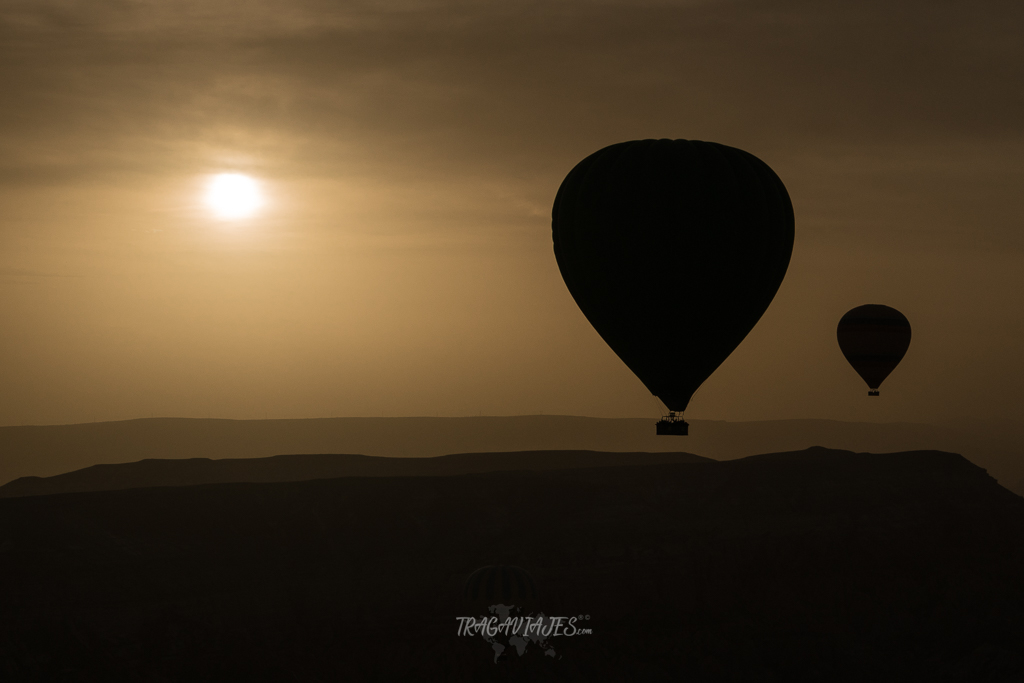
x: 874, y: 339
x: 673, y: 250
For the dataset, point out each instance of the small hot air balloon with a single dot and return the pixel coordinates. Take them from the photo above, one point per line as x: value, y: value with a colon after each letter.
x: 673, y: 250
x: 874, y: 339
x: 500, y: 584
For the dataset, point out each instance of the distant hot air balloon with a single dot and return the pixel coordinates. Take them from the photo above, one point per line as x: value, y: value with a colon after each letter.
x: 673, y: 250
x: 874, y: 339
x: 500, y: 584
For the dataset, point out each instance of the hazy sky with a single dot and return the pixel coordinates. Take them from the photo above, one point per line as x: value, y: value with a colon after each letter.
x: 410, y: 152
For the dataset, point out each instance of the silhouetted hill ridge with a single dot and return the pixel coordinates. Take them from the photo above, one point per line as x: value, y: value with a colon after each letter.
x: 821, y: 457
x: 300, y: 467
x: 45, y: 451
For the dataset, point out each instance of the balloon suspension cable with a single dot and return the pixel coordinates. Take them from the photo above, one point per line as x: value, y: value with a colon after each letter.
x: 659, y: 408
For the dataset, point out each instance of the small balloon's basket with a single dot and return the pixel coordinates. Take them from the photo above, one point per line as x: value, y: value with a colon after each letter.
x: 672, y: 424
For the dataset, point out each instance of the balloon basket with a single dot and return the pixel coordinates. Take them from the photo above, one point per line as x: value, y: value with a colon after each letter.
x: 672, y: 425
x: 872, y: 393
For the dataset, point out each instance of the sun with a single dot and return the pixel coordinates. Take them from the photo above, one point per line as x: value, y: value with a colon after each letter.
x: 233, y: 195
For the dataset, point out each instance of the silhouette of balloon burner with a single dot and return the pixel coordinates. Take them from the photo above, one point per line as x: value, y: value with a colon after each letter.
x: 874, y: 338
x: 696, y: 221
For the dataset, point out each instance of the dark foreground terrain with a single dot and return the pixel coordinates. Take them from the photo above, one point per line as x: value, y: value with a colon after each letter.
x: 808, y: 566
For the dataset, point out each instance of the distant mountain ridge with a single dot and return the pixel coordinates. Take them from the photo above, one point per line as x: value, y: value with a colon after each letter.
x: 44, y: 451
x: 304, y: 467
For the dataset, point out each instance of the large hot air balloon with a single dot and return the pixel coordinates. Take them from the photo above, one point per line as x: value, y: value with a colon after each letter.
x: 673, y: 250
x: 874, y: 339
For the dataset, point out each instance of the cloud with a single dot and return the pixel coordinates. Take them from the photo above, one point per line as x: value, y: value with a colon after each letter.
x: 473, y: 103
